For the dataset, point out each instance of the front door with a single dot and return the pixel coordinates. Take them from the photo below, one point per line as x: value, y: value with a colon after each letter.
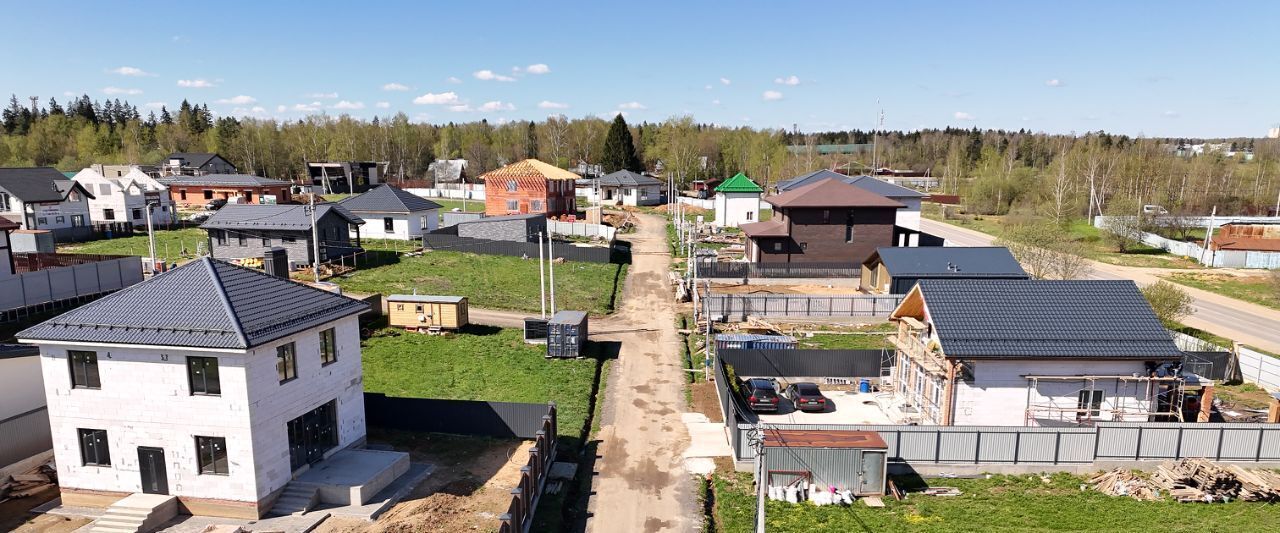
x: 313, y: 434
x: 151, y: 465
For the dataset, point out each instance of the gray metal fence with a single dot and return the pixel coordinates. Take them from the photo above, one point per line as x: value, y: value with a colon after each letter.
x: 460, y: 417
x: 737, y: 307
x: 800, y: 363
x: 739, y: 270
x: 24, y: 435
x: 617, y: 252
x: 51, y: 285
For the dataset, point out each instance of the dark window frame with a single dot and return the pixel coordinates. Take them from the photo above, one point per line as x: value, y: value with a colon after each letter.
x: 98, y: 453
x: 388, y: 224
x: 89, y: 376
x: 211, y: 456
x: 328, y: 346
x: 287, y: 362
x: 220, y: 236
x: 137, y: 213
x: 108, y: 214
x: 203, y: 378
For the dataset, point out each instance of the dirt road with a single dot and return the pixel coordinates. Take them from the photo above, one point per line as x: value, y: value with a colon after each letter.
x: 1244, y: 322
x: 640, y: 483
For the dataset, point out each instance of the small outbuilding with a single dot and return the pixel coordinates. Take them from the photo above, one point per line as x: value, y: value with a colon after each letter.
x: 895, y: 270
x: 856, y: 461
x: 737, y: 201
x: 625, y: 187
x: 566, y: 334
x: 423, y: 312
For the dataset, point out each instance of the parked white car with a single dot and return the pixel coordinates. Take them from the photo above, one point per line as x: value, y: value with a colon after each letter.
x: 1150, y: 209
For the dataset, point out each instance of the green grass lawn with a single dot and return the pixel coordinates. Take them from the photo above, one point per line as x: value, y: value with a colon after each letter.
x: 493, y: 281
x: 481, y: 363
x: 473, y: 206
x: 1002, y: 503
x: 170, y: 245
x: 828, y: 341
x: 1256, y: 289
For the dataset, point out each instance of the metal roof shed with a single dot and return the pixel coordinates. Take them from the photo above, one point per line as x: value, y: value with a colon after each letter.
x: 847, y: 460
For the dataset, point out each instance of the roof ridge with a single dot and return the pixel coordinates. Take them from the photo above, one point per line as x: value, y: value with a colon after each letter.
x: 226, y: 302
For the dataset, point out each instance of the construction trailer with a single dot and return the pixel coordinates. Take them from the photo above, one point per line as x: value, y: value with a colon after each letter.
x: 420, y: 312
x: 566, y: 334
x: 856, y: 461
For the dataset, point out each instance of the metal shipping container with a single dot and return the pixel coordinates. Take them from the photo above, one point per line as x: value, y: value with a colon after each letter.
x: 752, y: 341
x: 566, y: 334
x: 535, y: 330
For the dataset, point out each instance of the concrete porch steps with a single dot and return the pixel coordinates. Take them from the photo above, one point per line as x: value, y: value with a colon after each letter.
x: 136, y: 513
x: 296, y: 499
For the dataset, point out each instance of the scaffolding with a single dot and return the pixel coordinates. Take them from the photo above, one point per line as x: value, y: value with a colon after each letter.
x: 1159, y: 391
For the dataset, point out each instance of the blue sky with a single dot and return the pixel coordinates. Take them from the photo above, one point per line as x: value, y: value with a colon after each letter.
x: 1154, y: 68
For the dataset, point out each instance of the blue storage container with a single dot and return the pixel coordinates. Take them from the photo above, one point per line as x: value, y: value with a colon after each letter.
x: 864, y: 385
x: 752, y: 341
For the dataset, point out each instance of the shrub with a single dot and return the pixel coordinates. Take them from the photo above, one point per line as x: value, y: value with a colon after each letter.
x: 1170, y: 302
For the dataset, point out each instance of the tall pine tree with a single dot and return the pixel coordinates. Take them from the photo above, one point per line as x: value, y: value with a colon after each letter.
x: 531, y: 142
x: 619, y: 151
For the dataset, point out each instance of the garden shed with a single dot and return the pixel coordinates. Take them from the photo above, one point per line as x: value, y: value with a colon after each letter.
x: 419, y: 311
x: 847, y: 460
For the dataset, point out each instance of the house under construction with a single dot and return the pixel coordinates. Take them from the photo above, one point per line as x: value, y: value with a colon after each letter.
x: 346, y: 177
x: 1038, y: 353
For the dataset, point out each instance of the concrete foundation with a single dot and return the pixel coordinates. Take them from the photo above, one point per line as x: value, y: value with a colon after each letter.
x: 353, y: 477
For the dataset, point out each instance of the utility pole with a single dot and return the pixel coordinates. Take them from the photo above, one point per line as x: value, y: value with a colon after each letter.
x: 315, y: 238
x: 1208, y: 236
x: 755, y: 438
x: 151, y: 237
x: 551, y: 271
x: 542, y: 280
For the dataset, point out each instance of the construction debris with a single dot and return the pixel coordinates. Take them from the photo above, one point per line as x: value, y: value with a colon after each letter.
x: 1121, y: 482
x: 31, y: 482
x: 941, y: 491
x: 1193, y: 480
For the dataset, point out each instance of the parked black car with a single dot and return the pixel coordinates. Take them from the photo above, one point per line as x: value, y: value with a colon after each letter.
x: 215, y: 204
x: 806, y: 397
x: 762, y: 395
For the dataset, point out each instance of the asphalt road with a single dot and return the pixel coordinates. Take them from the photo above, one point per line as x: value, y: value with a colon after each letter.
x: 1244, y: 322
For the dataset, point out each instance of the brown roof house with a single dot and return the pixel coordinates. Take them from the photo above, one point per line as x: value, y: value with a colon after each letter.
x: 826, y: 222
x: 527, y: 187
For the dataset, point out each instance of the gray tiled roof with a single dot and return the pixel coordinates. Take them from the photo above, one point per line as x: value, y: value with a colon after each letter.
x: 268, y: 216
x: 627, y: 178
x: 1083, y: 319
x: 878, y: 186
x: 232, y: 180
x: 33, y: 184
x: 206, y: 304
x: 387, y: 199
x: 193, y: 159
x: 969, y: 262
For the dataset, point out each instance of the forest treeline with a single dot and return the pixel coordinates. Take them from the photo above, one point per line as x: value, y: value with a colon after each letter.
x: 996, y: 171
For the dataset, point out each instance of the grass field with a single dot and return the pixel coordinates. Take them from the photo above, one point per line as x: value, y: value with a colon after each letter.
x: 493, y: 281
x: 856, y: 341
x: 481, y: 363
x: 170, y: 245
x: 1000, y: 504
x: 473, y: 206
x: 1257, y: 289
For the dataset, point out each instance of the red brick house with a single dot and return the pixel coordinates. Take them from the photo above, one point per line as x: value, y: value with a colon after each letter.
x: 530, y: 186
x: 199, y: 190
x: 827, y: 222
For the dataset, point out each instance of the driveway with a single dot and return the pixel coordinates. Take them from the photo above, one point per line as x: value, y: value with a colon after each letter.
x: 641, y: 484
x: 1241, y: 321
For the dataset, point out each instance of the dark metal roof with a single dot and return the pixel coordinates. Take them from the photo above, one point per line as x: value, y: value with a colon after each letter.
x: 627, y: 178
x: 387, y: 199
x: 33, y: 184
x: 230, y: 180
x: 878, y: 186
x: 568, y: 317
x: 1020, y: 319
x: 206, y: 304
x: 268, y: 216
x: 193, y: 159
x: 822, y: 438
x: 768, y: 228
x: 944, y: 261
x: 830, y: 193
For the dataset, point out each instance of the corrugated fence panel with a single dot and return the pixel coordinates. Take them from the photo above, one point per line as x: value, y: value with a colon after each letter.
x: 917, y: 446
x: 35, y: 285
x: 1076, y: 446
x: 1117, y: 442
x: 802, y: 363
x: 740, y: 306
x: 828, y: 466
x: 24, y: 435
x: 998, y: 447
x: 462, y: 417
x: 1037, y: 447
x: 1198, y: 442
x: 1240, y: 444
x: 1159, y: 442
x: 131, y: 271
x: 11, y: 294
x: 1270, y: 449
x: 87, y: 277
x: 63, y: 281
x: 957, y: 446
x: 109, y: 275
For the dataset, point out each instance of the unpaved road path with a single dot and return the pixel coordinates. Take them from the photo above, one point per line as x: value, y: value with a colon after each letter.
x: 641, y: 484
x: 1244, y: 322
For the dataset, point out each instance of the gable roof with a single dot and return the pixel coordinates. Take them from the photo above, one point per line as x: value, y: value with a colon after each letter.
x: 878, y: 186
x: 205, y: 304
x: 234, y: 180
x: 387, y: 199
x: 948, y: 261
x: 830, y: 193
x: 1082, y: 319
x: 194, y: 159
x: 531, y: 168
x: 770, y: 228
x: 739, y: 183
x: 268, y: 216
x: 447, y: 170
x: 66, y: 186
x: 33, y: 184
x: 627, y: 178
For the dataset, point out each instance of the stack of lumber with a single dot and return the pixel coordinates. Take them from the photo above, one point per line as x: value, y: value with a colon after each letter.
x: 1257, y: 485
x: 1201, y: 480
x: 1121, y: 482
x: 32, y: 482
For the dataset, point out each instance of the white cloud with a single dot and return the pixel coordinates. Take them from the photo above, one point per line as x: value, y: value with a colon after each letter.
x: 459, y: 108
x: 155, y: 105
x: 345, y: 104
x: 382, y: 105
x: 118, y: 90
x: 772, y: 95
x: 1055, y: 82
x: 237, y: 100
x: 395, y: 87
x: 281, y: 108
x: 1171, y: 114
x: 789, y: 80
x: 715, y: 102
x: 725, y: 81
x: 195, y: 84
x: 707, y: 87
x: 255, y: 110
x: 547, y: 104
x: 497, y: 105
x: 537, y: 68
x: 453, y: 79
x: 632, y: 105
x: 961, y: 115
x: 130, y: 71
x: 623, y: 113
x: 489, y: 75
x: 307, y: 108
x: 328, y: 96
x: 437, y: 98
x: 69, y: 93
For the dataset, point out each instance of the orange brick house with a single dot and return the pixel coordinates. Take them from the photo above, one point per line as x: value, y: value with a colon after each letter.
x: 530, y: 186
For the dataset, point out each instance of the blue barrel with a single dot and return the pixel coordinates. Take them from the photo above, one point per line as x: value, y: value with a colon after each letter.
x: 864, y: 385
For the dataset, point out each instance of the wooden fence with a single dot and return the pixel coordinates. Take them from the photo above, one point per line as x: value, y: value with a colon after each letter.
x: 533, y: 477
x: 738, y: 270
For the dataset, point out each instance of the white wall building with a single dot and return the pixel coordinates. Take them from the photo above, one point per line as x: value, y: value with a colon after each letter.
x: 21, y: 399
x: 43, y: 198
x: 625, y: 187
x: 392, y: 213
x: 125, y: 199
x: 737, y: 201
x: 212, y: 383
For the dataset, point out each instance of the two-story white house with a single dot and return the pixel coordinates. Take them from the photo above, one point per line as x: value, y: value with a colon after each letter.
x: 43, y: 198
x: 125, y: 198
x: 392, y: 213
x: 1034, y: 353
x: 213, y: 383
